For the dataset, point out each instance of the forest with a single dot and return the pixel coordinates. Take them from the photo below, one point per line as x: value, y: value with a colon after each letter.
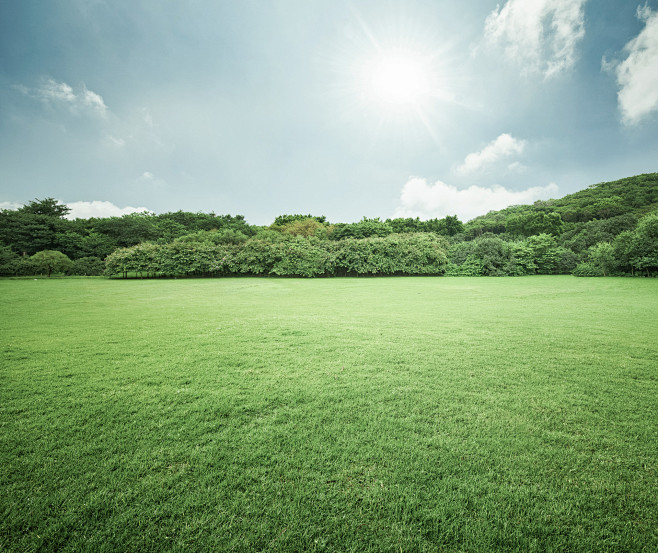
x: 609, y: 228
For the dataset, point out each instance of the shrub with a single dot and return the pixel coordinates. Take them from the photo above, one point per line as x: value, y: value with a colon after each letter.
x: 587, y: 269
x: 87, y: 266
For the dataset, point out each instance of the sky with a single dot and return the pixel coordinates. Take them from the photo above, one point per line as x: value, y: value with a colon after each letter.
x: 348, y: 109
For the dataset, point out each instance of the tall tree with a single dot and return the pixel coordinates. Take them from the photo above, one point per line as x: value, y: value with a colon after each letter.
x: 49, y: 207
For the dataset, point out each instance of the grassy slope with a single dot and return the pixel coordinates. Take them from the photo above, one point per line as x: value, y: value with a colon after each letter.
x: 416, y: 414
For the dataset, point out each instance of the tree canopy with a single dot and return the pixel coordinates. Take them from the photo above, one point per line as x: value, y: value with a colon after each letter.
x: 607, y: 228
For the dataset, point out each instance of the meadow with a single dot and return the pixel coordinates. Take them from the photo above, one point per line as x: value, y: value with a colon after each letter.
x: 353, y: 414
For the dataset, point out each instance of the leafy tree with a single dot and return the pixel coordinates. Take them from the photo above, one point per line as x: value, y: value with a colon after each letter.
x: 48, y: 207
x: 546, y: 253
x: 302, y: 257
x: 51, y: 261
x: 493, y: 253
x: 256, y: 257
x: 365, y: 228
x: 402, y: 225
x: 8, y: 259
x: 522, y: 259
x: 283, y: 220
x: 225, y: 236
x: 452, y: 225
x: 644, y: 245
x: 168, y: 230
x: 87, y: 266
x: 302, y: 227
x: 622, y: 249
x: 602, y: 257
x: 587, y: 269
x: 534, y: 222
x: 128, y: 230
x: 28, y: 232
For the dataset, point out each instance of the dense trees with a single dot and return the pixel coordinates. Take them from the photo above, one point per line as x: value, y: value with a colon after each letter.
x: 606, y: 229
x: 395, y: 254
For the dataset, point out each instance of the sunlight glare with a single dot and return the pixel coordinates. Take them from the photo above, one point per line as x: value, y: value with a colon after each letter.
x: 399, y: 80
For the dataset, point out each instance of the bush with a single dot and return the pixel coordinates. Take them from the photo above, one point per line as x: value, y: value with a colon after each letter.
x: 87, y: 266
x: 587, y: 269
x: 19, y: 266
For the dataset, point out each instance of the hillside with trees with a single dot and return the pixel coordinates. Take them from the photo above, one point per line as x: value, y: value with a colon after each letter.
x: 608, y: 228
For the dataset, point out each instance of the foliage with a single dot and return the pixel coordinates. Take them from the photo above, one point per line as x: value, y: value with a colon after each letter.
x: 226, y: 236
x: 602, y: 257
x: 587, y: 269
x: 534, y: 222
x: 366, y: 228
x: 448, y: 226
x: 644, y: 245
x: 283, y: 220
x: 49, y: 207
x: 15, y: 265
x: 87, y: 266
x: 301, y: 257
x: 547, y: 237
x: 50, y: 261
x: 302, y: 227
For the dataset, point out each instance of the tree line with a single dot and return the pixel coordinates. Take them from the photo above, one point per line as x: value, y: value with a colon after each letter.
x: 606, y: 229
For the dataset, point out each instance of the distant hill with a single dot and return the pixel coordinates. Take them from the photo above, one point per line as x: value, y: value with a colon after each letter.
x: 630, y: 197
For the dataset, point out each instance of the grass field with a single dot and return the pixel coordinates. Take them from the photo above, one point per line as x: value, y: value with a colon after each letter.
x: 390, y: 414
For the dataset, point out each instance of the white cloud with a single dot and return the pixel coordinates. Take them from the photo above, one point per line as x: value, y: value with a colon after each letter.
x: 637, y: 75
x: 503, y: 146
x: 427, y: 201
x: 52, y: 90
x: 94, y: 101
x: 10, y: 205
x: 85, y: 210
x: 149, y: 181
x: 116, y: 141
x: 540, y: 34
x: 56, y: 93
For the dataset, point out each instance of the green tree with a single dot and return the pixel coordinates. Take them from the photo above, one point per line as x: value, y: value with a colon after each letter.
x: 365, y: 228
x: 644, y: 245
x: 622, y: 247
x: 51, y: 261
x: 535, y: 222
x: 283, y: 220
x: 302, y: 227
x: 546, y: 253
x: 602, y: 256
x: 87, y: 266
x: 302, y: 257
x: 49, y: 207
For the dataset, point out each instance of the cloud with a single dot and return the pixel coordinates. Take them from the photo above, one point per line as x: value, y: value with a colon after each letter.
x: 94, y: 101
x: 540, y: 34
x: 637, y: 75
x: 116, y: 141
x: 85, y: 210
x: 420, y: 199
x: 56, y: 93
x: 10, y: 205
x: 52, y: 90
x: 503, y: 146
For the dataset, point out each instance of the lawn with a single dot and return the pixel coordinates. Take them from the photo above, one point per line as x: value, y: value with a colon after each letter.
x: 380, y: 414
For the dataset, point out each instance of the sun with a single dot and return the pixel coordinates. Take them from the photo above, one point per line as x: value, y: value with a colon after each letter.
x: 393, y: 79
x: 398, y: 79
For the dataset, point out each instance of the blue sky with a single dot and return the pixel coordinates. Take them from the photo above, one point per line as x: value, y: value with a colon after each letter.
x: 341, y: 108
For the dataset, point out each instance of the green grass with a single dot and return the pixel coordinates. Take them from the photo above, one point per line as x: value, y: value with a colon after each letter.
x: 413, y: 414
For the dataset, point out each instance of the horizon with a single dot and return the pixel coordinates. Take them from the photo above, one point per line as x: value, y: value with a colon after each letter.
x: 87, y: 210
